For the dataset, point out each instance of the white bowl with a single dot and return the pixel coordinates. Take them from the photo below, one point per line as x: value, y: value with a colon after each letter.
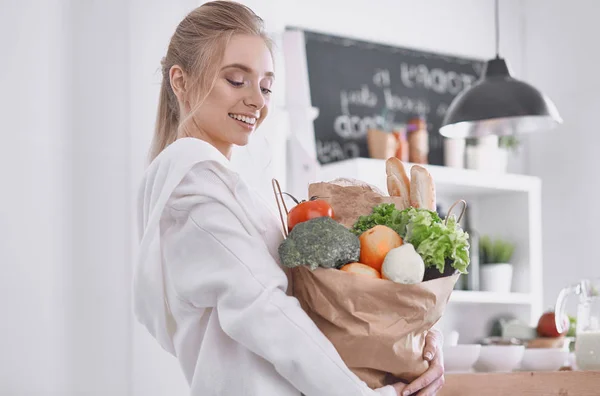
x: 499, y: 358
x: 460, y: 358
x: 544, y: 359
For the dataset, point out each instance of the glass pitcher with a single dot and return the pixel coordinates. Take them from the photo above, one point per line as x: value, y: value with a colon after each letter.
x: 587, y: 338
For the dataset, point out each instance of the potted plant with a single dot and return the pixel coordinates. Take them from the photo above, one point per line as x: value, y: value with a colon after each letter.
x: 506, y: 145
x: 496, y: 269
x: 509, y: 143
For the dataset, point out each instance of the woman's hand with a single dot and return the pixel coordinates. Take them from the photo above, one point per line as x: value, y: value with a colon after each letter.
x: 432, y: 380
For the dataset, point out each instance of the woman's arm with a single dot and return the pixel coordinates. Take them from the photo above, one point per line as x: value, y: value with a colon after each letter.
x: 214, y: 262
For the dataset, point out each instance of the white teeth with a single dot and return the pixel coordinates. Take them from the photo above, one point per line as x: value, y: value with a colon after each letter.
x: 247, y: 120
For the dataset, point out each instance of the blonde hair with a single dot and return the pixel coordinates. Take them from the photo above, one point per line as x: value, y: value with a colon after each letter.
x: 197, y: 46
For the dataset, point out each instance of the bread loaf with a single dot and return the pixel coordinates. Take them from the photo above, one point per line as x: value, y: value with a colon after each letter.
x: 422, y: 189
x: 397, y: 181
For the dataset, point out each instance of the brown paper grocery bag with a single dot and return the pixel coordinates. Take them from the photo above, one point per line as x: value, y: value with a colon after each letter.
x: 350, y: 202
x: 377, y: 326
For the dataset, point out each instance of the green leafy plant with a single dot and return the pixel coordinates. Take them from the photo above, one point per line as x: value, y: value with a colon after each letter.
x: 495, y: 251
x: 509, y: 142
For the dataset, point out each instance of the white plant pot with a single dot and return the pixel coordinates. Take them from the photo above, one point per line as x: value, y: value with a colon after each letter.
x: 496, y: 277
x: 487, y: 158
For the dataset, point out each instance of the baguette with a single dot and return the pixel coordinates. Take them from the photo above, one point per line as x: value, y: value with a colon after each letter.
x: 397, y: 181
x: 422, y: 188
x: 393, y: 186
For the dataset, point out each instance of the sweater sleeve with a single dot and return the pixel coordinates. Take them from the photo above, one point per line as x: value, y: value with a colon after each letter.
x: 214, y: 261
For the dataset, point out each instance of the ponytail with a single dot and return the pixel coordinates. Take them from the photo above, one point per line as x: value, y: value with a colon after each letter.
x: 167, y: 119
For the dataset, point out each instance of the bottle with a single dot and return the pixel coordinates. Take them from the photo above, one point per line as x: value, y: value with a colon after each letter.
x: 473, y: 268
x: 418, y: 141
x: 402, y: 143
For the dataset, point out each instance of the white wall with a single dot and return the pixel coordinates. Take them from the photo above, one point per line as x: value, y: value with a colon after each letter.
x: 562, y: 59
x: 99, y: 334
x: 35, y: 200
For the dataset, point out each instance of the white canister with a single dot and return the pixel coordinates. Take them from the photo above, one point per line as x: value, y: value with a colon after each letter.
x: 454, y: 153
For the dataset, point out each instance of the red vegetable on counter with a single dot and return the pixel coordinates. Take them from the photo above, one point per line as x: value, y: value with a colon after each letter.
x: 547, y: 326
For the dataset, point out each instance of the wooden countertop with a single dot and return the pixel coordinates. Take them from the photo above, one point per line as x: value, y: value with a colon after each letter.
x: 558, y: 383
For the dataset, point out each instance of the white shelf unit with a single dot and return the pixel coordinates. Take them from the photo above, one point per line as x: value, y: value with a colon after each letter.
x: 501, y: 205
x: 448, y: 181
x: 481, y: 297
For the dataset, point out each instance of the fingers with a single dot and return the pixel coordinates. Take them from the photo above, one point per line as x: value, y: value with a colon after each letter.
x: 399, y: 387
x: 425, y: 382
x: 433, y: 342
x: 432, y: 389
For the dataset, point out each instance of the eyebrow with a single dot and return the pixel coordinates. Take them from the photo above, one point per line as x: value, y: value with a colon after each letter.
x: 246, y: 69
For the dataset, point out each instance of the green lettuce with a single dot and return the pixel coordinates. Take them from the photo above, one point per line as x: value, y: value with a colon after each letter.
x: 436, y: 241
x: 383, y: 214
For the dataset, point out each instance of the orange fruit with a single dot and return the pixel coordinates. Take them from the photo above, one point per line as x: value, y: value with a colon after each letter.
x: 376, y: 243
x: 361, y: 269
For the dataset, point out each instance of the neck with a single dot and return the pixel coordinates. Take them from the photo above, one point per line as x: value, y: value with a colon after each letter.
x: 224, y: 148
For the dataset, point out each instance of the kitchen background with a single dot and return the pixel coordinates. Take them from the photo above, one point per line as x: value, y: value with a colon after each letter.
x: 79, y: 84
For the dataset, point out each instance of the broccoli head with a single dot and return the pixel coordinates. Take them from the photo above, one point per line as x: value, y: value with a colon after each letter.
x: 321, y: 241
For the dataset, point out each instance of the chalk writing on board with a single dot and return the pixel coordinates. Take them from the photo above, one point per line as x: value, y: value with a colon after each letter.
x: 332, y: 151
x: 358, y: 86
x: 352, y: 126
x: 435, y: 79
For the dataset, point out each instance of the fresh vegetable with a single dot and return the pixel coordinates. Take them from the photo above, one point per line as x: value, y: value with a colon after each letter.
x: 321, y: 241
x: 403, y: 265
x: 547, y: 326
x: 435, y: 240
x: 306, y: 210
x: 375, y: 245
x: 361, y: 269
x: 382, y: 214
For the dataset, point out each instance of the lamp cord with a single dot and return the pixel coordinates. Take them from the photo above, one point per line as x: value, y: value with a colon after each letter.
x: 497, y: 30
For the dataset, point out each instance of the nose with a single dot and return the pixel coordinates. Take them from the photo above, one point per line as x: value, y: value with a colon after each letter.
x: 255, y: 98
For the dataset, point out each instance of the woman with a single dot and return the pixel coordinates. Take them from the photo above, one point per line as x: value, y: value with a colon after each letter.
x: 208, y: 285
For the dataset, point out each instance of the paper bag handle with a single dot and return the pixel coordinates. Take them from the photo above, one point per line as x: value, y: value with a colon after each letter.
x: 280, y: 202
x: 462, y: 213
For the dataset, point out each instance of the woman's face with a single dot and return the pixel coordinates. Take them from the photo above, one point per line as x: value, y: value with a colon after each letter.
x: 239, y: 101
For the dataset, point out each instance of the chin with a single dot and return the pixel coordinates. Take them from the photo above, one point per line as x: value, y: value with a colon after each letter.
x: 241, y: 140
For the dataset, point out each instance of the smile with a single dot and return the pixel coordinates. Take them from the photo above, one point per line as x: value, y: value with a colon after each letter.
x: 246, y: 119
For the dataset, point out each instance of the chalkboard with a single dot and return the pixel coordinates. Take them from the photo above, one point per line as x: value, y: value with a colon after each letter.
x: 357, y: 85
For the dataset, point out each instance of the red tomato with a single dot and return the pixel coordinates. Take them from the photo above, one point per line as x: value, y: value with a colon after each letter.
x: 547, y: 326
x: 307, y: 210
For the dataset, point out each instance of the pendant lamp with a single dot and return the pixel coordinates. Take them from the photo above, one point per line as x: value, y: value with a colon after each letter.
x: 498, y: 104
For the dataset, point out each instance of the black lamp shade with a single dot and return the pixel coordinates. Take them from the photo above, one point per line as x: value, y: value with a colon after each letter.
x: 499, y: 105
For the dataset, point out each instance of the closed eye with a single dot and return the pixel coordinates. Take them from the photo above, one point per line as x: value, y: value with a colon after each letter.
x: 266, y: 91
x: 235, y: 83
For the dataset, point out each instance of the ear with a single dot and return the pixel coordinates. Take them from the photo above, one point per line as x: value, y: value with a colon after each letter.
x: 178, y: 79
